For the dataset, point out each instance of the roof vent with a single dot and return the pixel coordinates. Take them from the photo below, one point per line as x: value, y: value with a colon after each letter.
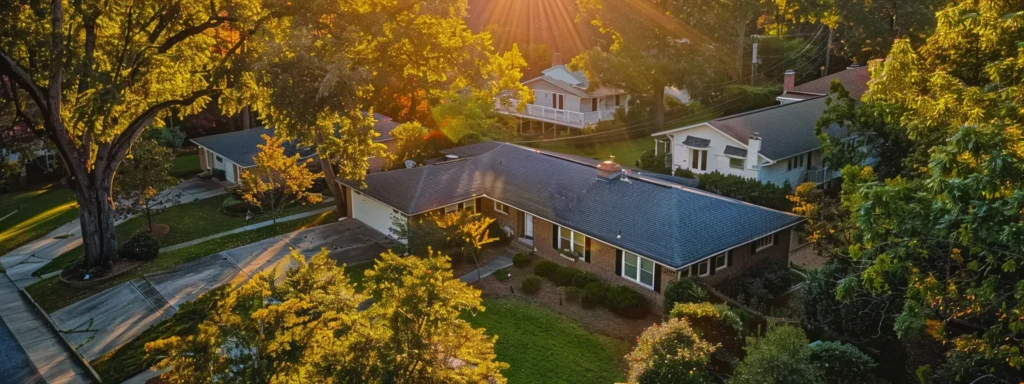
x: 608, y: 169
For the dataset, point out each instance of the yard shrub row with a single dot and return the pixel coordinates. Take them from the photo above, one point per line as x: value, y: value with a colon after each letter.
x: 590, y: 291
x: 522, y: 259
x: 531, y: 285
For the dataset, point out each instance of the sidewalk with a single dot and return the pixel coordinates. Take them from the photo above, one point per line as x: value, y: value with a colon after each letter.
x: 48, y: 352
x: 23, y: 261
x: 503, y: 261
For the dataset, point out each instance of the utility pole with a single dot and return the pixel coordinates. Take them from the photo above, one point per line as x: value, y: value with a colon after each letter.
x: 753, y: 60
x: 828, y: 50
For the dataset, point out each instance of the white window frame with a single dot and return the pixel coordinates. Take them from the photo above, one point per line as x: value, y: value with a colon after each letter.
x: 700, y: 161
x: 707, y: 267
x: 742, y: 163
x: 572, y: 242
x: 470, y: 205
x: 451, y: 208
x: 500, y: 207
x: 796, y: 162
x: 764, y: 243
x: 639, y: 269
x: 725, y: 261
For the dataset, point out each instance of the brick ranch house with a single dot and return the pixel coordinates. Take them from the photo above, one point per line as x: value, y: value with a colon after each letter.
x: 635, y: 230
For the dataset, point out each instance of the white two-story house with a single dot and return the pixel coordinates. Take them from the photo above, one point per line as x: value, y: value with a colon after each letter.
x: 775, y: 145
x: 563, y: 97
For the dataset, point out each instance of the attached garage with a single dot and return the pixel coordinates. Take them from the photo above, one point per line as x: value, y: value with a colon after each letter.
x: 373, y: 213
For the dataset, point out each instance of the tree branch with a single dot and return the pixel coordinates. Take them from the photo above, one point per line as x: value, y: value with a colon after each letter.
x: 119, y: 147
x: 213, y: 22
x: 16, y: 73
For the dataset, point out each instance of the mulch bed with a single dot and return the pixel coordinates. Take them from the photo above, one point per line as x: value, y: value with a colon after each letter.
x: 73, y: 276
x: 464, y: 265
x: 596, y: 319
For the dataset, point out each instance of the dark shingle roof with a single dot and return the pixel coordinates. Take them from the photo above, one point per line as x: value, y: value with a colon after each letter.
x: 735, y: 151
x: 855, y: 80
x: 241, y: 146
x: 696, y: 142
x: 786, y: 129
x: 663, y: 220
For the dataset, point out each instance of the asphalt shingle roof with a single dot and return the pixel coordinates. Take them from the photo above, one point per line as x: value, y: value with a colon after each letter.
x: 786, y: 130
x: 241, y: 146
x: 696, y: 142
x: 664, y: 220
x: 855, y: 80
x: 735, y: 151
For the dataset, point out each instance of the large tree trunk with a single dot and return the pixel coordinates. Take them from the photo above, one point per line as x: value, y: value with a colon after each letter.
x: 332, y: 180
x: 659, y: 107
x: 97, y: 219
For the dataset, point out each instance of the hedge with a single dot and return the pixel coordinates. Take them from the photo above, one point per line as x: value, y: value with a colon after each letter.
x: 622, y: 300
x: 749, y: 190
x: 531, y: 285
x: 546, y: 269
x: 142, y: 247
x: 522, y: 260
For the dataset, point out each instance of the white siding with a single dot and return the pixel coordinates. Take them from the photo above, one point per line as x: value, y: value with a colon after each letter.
x: 716, y: 152
x: 569, y: 102
x: 373, y: 213
x: 778, y: 174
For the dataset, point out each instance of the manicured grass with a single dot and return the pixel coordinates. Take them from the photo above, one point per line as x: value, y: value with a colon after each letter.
x: 544, y: 347
x: 188, y: 222
x: 627, y: 152
x: 185, y: 166
x: 52, y: 295
x: 36, y: 213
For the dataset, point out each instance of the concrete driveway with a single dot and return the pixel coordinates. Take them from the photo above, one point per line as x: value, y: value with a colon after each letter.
x: 105, y: 321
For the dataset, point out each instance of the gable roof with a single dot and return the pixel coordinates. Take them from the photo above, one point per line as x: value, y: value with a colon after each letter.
x: 785, y: 130
x: 241, y: 146
x: 666, y: 221
x: 581, y: 92
x: 854, y: 79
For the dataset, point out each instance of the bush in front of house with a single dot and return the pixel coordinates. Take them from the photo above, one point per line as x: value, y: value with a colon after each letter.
x: 141, y: 246
x: 564, y: 277
x: 581, y: 280
x: 502, y: 274
x: 842, y: 363
x: 573, y: 294
x: 682, y: 172
x: 531, y: 285
x: 767, y: 281
x: 522, y: 259
x: 684, y: 290
x: 749, y: 190
x: 626, y: 302
x: 588, y: 299
x: 546, y: 269
x: 655, y: 163
x: 718, y: 324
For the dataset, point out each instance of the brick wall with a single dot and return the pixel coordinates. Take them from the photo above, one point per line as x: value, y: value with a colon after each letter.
x: 744, y: 258
x: 510, y: 220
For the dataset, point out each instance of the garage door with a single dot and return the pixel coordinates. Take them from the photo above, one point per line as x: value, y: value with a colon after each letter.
x: 372, y: 213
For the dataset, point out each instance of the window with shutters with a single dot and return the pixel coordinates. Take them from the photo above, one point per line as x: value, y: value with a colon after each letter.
x: 764, y: 242
x: 469, y: 205
x: 451, y: 208
x: 572, y: 242
x: 638, y: 269
x: 704, y: 268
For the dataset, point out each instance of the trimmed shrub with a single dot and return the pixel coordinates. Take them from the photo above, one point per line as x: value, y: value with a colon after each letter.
x: 502, y: 274
x: 581, y: 280
x: 779, y: 356
x: 546, y: 269
x: 626, y: 302
x: 531, y: 285
x: 655, y: 163
x: 598, y: 291
x: 749, y: 190
x: 842, y: 363
x: 588, y: 300
x: 670, y: 352
x: 565, y: 276
x: 683, y: 172
x: 684, y: 290
x: 573, y: 294
x: 717, y: 324
x: 141, y: 246
x: 522, y: 259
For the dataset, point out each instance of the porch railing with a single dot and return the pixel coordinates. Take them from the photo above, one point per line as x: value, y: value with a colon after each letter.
x: 821, y: 175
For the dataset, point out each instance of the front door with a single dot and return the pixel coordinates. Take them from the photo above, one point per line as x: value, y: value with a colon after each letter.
x: 528, y: 226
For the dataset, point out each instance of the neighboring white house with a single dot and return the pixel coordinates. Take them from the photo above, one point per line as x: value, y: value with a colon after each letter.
x: 561, y: 96
x: 775, y: 145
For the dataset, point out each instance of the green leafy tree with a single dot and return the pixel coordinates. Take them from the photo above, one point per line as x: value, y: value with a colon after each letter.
x: 780, y: 356
x: 92, y: 76
x: 717, y: 324
x: 651, y: 48
x: 143, y: 179
x: 670, y: 352
x: 410, y: 144
x: 307, y: 328
x: 277, y: 180
x: 842, y: 363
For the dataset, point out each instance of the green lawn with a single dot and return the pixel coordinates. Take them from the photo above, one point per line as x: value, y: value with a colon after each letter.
x: 188, y: 222
x: 185, y: 165
x: 52, y: 295
x: 129, y: 360
x: 36, y: 213
x: 627, y: 151
x: 544, y: 347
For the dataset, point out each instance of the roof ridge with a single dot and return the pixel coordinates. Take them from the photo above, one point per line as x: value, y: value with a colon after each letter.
x: 741, y: 114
